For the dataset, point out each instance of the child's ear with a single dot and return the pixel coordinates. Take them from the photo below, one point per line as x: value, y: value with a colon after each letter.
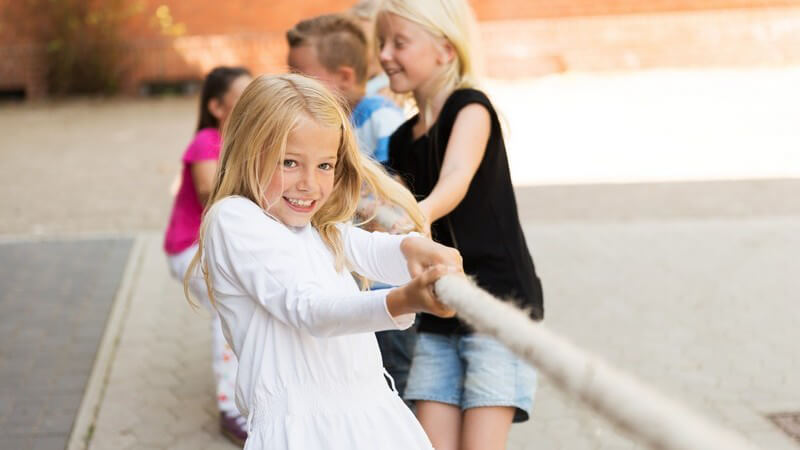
x: 446, y: 52
x: 215, y: 108
x: 346, y: 75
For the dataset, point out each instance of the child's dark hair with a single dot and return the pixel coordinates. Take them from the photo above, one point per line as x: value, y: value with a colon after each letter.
x: 216, y: 85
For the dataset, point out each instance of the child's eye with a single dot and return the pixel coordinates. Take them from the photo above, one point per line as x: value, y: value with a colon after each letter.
x: 326, y: 166
x: 289, y: 163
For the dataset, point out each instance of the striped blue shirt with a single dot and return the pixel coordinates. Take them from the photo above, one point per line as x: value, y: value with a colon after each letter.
x: 375, y: 118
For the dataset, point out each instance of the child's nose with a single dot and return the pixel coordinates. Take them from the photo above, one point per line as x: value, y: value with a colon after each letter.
x: 384, y: 54
x: 308, y: 181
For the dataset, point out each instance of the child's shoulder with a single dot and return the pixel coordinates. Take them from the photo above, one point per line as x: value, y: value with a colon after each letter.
x: 205, y: 145
x: 460, y: 99
x: 241, y: 216
x: 469, y: 91
x: 235, y: 203
x: 208, y: 133
x: 237, y: 226
x: 464, y: 96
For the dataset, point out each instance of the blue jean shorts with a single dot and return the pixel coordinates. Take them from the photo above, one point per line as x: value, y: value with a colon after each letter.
x: 470, y: 371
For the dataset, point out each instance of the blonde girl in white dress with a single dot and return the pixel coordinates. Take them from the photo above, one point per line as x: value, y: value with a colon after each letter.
x: 277, y: 250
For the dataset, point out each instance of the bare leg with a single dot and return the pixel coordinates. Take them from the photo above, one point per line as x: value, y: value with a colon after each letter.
x: 441, y: 422
x: 486, y: 428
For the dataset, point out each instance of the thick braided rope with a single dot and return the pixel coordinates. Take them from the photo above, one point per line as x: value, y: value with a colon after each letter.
x: 638, y: 410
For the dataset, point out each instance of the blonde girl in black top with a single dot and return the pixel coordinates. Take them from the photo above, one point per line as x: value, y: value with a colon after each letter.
x: 468, y: 388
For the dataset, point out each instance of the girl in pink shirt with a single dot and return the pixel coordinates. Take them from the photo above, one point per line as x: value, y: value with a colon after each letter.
x: 221, y: 88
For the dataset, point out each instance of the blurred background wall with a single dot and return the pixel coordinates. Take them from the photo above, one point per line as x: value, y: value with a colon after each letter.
x: 52, y: 47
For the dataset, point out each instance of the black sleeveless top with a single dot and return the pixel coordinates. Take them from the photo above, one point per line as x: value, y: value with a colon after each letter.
x: 485, y: 225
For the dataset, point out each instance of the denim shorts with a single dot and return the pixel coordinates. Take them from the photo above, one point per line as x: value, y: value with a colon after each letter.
x: 470, y: 371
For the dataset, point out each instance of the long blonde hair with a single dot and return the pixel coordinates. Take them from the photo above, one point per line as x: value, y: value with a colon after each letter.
x: 452, y: 20
x: 254, y: 143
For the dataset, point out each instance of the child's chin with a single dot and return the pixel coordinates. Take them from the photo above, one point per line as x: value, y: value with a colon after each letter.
x: 298, y: 223
x: 399, y: 88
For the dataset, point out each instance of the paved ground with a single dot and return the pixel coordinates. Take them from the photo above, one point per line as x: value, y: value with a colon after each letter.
x: 54, y: 303
x: 705, y: 311
x: 689, y: 285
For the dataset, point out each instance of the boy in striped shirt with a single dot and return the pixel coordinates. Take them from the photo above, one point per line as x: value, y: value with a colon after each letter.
x: 333, y: 49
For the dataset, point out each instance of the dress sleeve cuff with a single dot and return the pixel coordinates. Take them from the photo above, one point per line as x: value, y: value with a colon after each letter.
x: 401, y: 322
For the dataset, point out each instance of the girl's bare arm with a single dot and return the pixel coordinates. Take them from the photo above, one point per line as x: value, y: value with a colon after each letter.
x: 203, y: 173
x: 463, y: 155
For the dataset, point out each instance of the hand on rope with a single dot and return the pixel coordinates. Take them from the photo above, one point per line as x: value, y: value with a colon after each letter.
x: 373, y: 214
x: 422, y: 253
x: 419, y: 296
x: 428, y: 261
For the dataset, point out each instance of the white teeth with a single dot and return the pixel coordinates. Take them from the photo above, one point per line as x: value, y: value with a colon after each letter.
x: 300, y: 203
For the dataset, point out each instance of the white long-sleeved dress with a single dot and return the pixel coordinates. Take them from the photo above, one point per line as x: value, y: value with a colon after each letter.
x: 310, y: 373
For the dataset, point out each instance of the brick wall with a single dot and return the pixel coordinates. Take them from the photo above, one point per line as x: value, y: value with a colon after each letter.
x: 526, y: 38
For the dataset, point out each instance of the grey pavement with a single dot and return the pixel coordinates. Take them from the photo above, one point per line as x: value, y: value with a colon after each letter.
x: 704, y: 311
x: 54, y: 302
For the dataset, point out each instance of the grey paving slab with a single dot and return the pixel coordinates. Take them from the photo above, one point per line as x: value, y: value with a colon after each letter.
x: 54, y: 300
x: 704, y: 311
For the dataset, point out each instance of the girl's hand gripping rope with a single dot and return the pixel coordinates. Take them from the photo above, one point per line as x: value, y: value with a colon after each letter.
x: 427, y: 262
x: 419, y: 296
x: 374, y: 214
x: 422, y: 253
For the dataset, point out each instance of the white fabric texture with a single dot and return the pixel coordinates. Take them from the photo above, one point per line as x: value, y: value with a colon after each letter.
x: 310, y: 373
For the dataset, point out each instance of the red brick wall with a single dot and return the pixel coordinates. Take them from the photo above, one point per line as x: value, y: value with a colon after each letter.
x: 526, y: 37
x: 241, y: 32
x: 21, y: 58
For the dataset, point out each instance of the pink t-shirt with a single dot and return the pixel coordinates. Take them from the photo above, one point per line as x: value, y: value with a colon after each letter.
x: 184, y: 224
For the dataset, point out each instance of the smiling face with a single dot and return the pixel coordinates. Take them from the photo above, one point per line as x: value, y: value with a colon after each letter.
x: 410, y: 56
x: 303, y: 180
